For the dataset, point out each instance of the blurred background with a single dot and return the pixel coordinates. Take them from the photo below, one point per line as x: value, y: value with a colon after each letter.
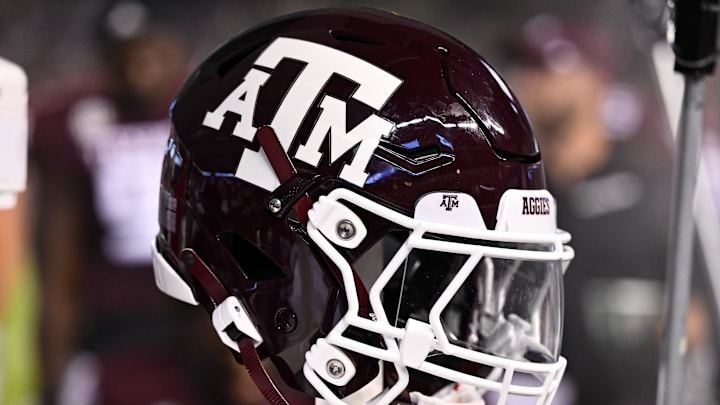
x: 80, y: 320
x: 57, y: 39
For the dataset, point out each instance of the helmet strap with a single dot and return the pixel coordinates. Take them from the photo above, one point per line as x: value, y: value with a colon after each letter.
x: 285, y: 171
x: 218, y: 293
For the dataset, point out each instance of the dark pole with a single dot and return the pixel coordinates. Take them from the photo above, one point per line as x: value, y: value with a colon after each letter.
x: 695, y: 46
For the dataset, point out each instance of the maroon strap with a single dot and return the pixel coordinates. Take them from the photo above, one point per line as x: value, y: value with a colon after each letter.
x: 249, y: 354
x: 282, y: 166
x: 207, y: 278
x: 279, y: 160
x: 258, y: 373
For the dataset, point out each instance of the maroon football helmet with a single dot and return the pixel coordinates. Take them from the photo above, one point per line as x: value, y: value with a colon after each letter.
x: 359, y: 198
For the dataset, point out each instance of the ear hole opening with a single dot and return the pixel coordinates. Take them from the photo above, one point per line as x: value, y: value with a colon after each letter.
x: 253, y: 262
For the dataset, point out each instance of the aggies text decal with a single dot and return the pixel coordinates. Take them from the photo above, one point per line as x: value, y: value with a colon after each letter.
x: 536, y: 206
x: 375, y: 87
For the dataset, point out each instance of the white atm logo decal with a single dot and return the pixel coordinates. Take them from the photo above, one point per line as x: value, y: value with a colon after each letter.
x: 375, y: 87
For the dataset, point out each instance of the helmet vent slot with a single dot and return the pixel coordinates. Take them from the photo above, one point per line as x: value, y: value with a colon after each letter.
x: 348, y: 36
x: 416, y: 160
x: 501, y: 153
x: 415, y: 154
x: 255, y: 264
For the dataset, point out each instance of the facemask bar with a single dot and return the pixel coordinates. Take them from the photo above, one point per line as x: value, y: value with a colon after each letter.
x: 432, y: 336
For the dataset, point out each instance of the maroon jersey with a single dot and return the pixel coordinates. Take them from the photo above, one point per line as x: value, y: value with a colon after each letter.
x: 100, y: 157
x: 112, y: 160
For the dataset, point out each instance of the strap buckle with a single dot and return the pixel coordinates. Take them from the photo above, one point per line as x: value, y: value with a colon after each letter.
x: 231, y: 321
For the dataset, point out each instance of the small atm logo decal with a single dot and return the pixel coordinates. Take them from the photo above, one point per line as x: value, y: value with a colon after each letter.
x: 449, y: 202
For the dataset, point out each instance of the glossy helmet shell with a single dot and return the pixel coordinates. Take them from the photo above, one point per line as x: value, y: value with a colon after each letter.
x: 455, y: 126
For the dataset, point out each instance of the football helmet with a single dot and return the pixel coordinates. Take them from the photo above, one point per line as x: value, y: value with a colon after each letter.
x: 358, y: 198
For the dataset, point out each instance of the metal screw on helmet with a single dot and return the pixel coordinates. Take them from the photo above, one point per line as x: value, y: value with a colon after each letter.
x: 335, y: 368
x: 345, y: 229
x: 274, y: 205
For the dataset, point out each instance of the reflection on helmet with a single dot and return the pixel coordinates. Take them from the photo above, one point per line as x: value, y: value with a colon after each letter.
x: 359, y: 198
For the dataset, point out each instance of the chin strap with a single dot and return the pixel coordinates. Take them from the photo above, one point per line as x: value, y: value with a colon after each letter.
x: 245, y: 344
x: 258, y: 373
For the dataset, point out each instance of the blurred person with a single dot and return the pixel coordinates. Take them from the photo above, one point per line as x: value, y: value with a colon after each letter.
x: 13, y: 173
x: 17, y: 289
x: 608, y: 166
x: 107, y: 336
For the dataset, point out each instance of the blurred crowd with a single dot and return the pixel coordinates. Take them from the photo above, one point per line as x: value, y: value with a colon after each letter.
x: 609, y: 165
x: 80, y: 319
